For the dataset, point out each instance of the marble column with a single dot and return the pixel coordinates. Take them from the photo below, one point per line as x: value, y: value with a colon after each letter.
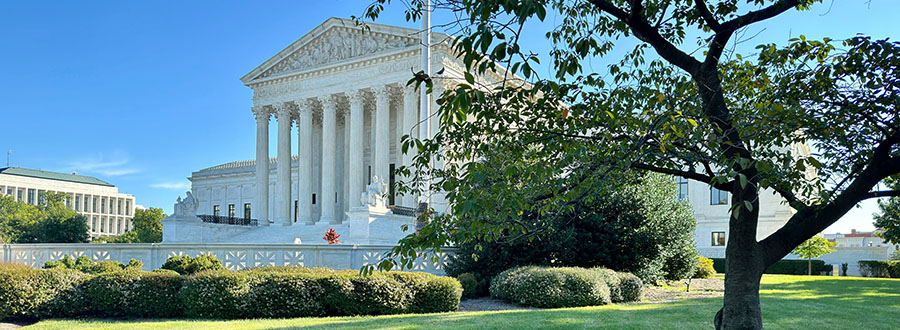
x: 304, y: 175
x: 410, y: 118
x: 260, y: 206
x: 329, y: 127
x: 357, y: 141
x: 283, y: 165
x: 382, y: 133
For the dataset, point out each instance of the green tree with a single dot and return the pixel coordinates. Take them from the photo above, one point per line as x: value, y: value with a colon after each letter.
x: 147, y: 228
x: 15, y: 219
x: 711, y: 115
x: 888, y: 220
x: 814, y: 247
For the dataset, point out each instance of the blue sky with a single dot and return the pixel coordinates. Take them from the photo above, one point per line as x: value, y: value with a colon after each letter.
x: 142, y: 93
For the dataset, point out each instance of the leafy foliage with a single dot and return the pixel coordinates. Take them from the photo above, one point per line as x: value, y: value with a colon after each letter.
x: 49, y: 222
x: 704, y: 268
x: 888, y: 220
x: 814, y: 247
x: 186, y: 265
x: 637, y: 227
x: 879, y: 268
x: 147, y: 228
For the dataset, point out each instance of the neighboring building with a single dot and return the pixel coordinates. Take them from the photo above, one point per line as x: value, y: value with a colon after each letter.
x: 108, y: 211
x: 857, y: 239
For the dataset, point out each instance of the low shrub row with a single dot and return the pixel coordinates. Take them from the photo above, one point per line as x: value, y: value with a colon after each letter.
x: 784, y: 266
x: 221, y: 294
x: 86, y: 265
x: 552, y: 287
x: 879, y: 268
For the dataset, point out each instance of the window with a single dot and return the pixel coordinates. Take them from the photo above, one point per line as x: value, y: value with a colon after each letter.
x: 31, y: 196
x: 128, y: 207
x: 231, y: 210
x: 717, y: 197
x: 247, y: 211
x: 119, y: 206
x: 215, y: 210
x: 94, y: 207
x: 314, y: 199
x: 369, y: 176
x: 296, y: 205
x: 682, y: 188
x: 391, y: 186
x: 718, y: 238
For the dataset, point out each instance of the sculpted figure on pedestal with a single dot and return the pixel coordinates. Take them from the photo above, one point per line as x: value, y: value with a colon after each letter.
x: 374, y: 195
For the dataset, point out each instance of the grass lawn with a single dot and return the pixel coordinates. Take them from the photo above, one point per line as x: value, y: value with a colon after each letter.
x: 788, y: 302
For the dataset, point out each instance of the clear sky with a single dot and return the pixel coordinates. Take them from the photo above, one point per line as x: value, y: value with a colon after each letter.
x: 141, y: 94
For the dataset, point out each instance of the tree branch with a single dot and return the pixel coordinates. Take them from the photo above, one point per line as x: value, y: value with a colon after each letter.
x: 759, y: 15
x: 727, y: 186
x: 647, y: 33
x: 707, y: 15
x: 882, y: 193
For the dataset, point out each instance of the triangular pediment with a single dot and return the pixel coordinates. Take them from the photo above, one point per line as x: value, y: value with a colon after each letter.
x: 336, y: 40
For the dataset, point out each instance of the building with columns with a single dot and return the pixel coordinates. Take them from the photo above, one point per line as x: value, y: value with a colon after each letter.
x: 343, y: 92
x: 108, y: 211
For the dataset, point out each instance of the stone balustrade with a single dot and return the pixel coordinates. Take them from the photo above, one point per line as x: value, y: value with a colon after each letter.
x: 233, y: 256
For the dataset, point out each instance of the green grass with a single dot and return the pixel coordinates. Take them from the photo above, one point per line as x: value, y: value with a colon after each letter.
x: 788, y: 302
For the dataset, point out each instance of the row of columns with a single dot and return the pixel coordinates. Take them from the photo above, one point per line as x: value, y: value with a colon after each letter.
x: 115, y: 212
x: 354, y: 141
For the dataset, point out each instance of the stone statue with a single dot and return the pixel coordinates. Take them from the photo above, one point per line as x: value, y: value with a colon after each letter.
x: 186, y: 206
x: 374, y: 194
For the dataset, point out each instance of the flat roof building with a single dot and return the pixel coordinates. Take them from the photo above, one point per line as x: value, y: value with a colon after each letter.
x: 108, y: 211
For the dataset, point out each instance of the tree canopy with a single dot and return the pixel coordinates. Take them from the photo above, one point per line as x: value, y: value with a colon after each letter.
x: 739, y: 122
x: 814, y: 247
x: 888, y: 219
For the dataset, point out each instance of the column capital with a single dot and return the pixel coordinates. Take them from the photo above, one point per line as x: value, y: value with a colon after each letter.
x: 382, y: 93
x: 357, y: 96
x: 304, y: 106
x: 282, y: 109
x: 261, y: 112
x: 329, y: 103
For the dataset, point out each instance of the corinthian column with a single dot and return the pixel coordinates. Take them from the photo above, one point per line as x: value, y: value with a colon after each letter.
x: 382, y: 133
x: 410, y: 117
x: 304, y: 168
x: 356, y: 146
x: 329, y: 127
x: 260, y: 207
x: 283, y: 163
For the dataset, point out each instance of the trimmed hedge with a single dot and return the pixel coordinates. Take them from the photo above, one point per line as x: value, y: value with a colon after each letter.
x: 257, y: 293
x: 783, y: 266
x: 551, y: 287
x: 879, y: 268
x: 623, y: 287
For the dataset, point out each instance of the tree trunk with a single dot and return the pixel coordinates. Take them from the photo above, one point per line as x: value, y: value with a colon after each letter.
x: 808, y: 266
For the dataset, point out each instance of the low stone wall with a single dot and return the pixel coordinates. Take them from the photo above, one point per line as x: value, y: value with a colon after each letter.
x: 233, y: 256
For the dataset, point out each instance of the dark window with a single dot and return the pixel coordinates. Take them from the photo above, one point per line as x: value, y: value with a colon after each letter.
x: 718, y: 238
x: 231, y: 210
x: 314, y: 199
x: 215, y: 210
x: 296, y: 205
x: 369, y: 180
x: 391, y: 186
x: 682, y: 187
x: 246, y: 210
x: 718, y: 197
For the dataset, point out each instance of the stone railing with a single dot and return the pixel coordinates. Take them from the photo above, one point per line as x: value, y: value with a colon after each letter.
x: 233, y: 256
x: 227, y: 220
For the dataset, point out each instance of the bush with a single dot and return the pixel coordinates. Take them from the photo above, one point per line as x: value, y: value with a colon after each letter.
x: 638, y: 228
x: 88, y: 266
x: 470, y: 284
x: 265, y: 292
x: 879, y: 268
x: 32, y: 293
x: 783, y: 266
x: 551, y: 287
x: 186, y: 265
x: 704, y: 268
x: 215, y: 294
x: 165, y: 271
x: 623, y: 287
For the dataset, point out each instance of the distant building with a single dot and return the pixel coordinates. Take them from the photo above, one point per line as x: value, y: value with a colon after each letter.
x: 854, y: 238
x: 108, y: 211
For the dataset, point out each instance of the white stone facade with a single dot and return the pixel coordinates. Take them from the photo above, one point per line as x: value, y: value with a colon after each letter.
x: 108, y: 211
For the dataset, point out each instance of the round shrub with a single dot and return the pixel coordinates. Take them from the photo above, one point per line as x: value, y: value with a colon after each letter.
x: 704, y: 268
x: 631, y: 287
x: 106, y: 293
x: 284, y: 295
x: 106, y: 266
x: 611, y: 278
x: 551, y: 287
x: 437, y: 294
x: 215, y: 294
x: 154, y: 295
x: 165, y: 271
x: 186, y: 265
x: 33, y: 293
x: 377, y: 295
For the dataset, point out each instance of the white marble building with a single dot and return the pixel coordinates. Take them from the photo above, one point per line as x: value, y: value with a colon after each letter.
x: 108, y: 211
x: 343, y: 88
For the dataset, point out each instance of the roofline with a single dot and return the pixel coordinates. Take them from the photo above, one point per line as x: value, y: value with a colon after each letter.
x: 105, y: 184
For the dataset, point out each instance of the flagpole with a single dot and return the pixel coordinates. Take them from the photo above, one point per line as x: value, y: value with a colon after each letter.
x: 425, y: 106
